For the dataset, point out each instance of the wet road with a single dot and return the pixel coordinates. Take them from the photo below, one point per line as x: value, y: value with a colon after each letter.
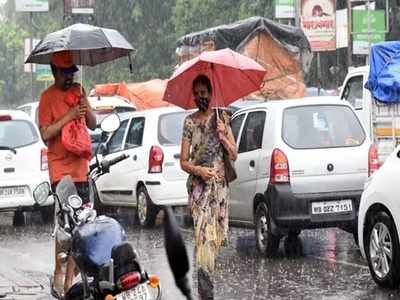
x: 329, y: 267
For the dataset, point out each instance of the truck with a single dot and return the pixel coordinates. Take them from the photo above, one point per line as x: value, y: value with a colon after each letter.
x: 373, y: 92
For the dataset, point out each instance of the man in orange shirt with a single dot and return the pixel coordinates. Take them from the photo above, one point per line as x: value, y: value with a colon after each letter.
x: 54, y: 113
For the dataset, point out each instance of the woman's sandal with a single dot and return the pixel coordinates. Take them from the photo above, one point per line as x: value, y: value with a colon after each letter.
x: 55, y: 290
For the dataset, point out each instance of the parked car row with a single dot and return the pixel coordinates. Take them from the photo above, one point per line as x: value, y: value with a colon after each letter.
x: 302, y: 164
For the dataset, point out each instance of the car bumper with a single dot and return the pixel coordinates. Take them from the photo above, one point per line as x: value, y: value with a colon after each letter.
x: 166, y: 192
x: 289, y: 210
x: 25, y: 201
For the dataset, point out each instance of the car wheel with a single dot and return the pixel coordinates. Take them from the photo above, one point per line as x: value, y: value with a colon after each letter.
x: 293, y: 245
x: 267, y: 243
x: 19, y: 219
x: 47, y: 214
x: 383, y: 252
x: 355, y: 235
x: 146, y: 210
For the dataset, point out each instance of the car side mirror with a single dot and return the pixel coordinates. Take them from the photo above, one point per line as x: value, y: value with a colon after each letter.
x: 110, y: 123
x: 41, y: 192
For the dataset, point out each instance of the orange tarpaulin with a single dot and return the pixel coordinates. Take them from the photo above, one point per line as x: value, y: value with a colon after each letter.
x: 144, y: 95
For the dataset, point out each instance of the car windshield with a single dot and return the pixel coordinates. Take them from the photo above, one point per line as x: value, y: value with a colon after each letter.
x: 170, y: 128
x: 17, y: 133
x: 324, y: 126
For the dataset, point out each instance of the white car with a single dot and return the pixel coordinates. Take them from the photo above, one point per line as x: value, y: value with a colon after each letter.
x: 379, y: 223
x: 301, y: 164
x: 23, y: 165
x: 151, y: 177
x: 32, y: 109
x: 104, y: 106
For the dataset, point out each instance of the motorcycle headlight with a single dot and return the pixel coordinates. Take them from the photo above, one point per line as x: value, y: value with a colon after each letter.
x: 75, y: 201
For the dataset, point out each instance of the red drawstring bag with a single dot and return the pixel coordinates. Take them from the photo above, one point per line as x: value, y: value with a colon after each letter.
x: 74, y: 135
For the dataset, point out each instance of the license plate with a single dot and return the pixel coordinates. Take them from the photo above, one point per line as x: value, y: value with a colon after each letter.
x: 331, y: 207
x: 16, y: 191
x: 140, y: 292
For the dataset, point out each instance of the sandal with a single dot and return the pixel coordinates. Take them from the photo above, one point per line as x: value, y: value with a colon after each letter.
x: 55, y: 290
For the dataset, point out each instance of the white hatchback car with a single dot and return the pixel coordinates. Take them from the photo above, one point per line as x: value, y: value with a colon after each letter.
x: 301, y: 164
x: 104, y: 106
x: 32, y: 109
x: 379, y: 223
x: 23, y: 165
x: 151, y: 177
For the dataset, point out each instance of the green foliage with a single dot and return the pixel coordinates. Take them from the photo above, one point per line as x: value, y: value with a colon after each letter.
x: 152, y: 26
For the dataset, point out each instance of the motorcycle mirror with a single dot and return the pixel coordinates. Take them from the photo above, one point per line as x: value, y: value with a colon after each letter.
x: 41, y: 192
x: 110, y: 123
x: 102, y: 148
x: 176, y: 252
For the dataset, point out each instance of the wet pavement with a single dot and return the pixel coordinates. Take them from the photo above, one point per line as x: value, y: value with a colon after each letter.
x: 328, y: 267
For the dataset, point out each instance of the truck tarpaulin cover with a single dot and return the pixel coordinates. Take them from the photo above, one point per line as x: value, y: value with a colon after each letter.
x: 144, y: 95
x: 384, y: 73
x: 282, y: 50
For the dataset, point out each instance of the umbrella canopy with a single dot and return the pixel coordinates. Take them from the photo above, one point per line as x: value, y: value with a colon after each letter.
x: 384, y: 73
x: 232, y: 76
x: 90, y: 45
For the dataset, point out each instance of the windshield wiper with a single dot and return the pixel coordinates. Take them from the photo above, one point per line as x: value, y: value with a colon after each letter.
x: 8, y: 148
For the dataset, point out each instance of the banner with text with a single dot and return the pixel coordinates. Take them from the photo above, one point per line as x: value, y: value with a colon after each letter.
x: 318, y: 21
x: 368, y: 28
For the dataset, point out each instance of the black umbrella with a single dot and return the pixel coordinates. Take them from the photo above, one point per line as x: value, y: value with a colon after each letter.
x: 90, y: 45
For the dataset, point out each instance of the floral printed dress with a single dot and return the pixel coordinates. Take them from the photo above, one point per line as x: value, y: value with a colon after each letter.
x: 208, y: 200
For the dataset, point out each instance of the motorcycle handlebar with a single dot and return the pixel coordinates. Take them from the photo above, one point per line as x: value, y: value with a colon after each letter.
x: 108, y: 163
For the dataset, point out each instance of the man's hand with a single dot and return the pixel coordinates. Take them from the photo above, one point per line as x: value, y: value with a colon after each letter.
x: 83, y: 107
x: 74, y: 113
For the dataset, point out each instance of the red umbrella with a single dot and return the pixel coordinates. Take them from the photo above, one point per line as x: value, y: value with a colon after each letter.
x: 232, y: 76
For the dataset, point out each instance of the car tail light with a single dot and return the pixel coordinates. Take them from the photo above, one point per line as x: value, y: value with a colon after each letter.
x: 43, y: 160
x: 5, y: 118
x: 129, y: 280
x: 156, y: 159
x: 279, y: 167
x: 373, y: 162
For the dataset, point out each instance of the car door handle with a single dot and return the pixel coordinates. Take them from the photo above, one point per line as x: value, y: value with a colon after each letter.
x: 134, y: 157
x: 252, y: 164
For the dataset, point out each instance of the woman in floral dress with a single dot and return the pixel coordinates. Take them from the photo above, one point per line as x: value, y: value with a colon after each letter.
x: 206, y: 137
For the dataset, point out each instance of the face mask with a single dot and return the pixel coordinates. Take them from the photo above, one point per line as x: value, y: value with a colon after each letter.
x: 202, y: 103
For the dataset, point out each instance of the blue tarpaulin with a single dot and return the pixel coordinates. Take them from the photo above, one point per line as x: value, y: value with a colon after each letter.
x: 384, y: 72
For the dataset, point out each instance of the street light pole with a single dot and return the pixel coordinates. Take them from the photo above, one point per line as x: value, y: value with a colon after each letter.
x: 369, y: 32
x: 31, y: 48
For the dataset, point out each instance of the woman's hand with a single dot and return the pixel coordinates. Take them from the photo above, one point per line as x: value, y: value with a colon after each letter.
x: 206, y: 173
x: 221, y: 130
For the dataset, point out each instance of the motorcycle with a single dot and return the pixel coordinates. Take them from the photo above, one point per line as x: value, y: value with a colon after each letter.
x: 109, y: 266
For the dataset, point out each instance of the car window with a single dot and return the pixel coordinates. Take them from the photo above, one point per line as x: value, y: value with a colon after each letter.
x: 252, y: 134
x: 324, y: 126
x: 17, y: 133
x: 236, y: 124
x: 170, y: 128
x: 115, y: 142
x: 135, y: 133
x: 353, y: 91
